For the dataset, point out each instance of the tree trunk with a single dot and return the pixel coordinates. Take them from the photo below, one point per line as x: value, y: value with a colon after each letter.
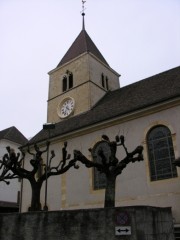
x: 110, y: 192
x: 35, y: 199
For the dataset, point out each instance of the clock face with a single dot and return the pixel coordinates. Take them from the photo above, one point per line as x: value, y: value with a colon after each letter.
x: 66, y: 107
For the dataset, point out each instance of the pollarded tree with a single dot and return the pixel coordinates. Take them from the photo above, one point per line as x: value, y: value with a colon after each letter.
x: 105, y: 161
x: 5, y: 165
x: 11, y: 166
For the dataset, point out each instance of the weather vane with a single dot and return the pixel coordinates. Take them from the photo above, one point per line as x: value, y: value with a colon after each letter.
x: 83, y: 8
x: 83, y: 14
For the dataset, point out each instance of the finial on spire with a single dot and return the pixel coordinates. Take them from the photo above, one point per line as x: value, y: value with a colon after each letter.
x: 83, y: 14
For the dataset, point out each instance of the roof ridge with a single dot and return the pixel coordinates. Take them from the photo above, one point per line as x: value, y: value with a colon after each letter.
x: 155, y: 75
x: 84, y: 31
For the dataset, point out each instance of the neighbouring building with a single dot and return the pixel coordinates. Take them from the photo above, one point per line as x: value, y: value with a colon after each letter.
x: 10, y: 194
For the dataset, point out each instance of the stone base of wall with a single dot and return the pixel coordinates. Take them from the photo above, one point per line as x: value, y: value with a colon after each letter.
x: 132, y: 223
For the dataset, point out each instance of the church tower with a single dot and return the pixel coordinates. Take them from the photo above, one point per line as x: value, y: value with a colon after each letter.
x: 80, y: 80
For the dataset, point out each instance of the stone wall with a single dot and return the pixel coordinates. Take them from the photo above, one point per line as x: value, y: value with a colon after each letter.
x: 132, y: 223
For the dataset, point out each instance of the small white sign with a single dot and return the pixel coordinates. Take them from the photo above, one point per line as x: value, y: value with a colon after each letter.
x: 123, y: 230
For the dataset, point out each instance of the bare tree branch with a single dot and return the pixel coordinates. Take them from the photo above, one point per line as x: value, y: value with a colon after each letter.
x: 108, y: 163
x: 11, y: 167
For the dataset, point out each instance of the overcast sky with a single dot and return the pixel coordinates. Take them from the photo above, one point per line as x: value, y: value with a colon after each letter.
x: 138, y: 38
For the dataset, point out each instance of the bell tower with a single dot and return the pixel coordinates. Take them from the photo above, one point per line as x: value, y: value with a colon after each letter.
x: 80, y: 80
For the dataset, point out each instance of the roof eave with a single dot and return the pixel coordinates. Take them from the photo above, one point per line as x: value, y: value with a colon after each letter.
x: 113, y: 120
x: 83, y: 54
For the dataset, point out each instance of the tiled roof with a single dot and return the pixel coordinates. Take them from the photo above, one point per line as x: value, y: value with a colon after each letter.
x: 140, y: 95
x: 14, y: 135
x: 82, y: 44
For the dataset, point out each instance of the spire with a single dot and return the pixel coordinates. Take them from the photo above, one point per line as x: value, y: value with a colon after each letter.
x: 82, y: 44
x: 83, y: 14
x: 83, y: 24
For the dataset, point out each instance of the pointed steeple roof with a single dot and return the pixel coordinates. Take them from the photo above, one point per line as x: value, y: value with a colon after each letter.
x: 82, y: 44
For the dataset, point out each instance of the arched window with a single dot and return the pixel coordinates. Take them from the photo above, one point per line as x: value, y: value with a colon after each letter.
x: 161, y: 153
x: 67, y: 82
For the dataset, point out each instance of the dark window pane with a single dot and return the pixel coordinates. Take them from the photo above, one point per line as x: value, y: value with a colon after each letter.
x: 102, y: 80
x: 107, y: 84
x: 70, y: 80
x: 64, y: 83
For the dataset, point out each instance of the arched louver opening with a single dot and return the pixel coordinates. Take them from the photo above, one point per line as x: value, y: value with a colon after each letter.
x: 64, y: 84
x: 67, y: 82
x: 70, y: 80
x: 104, y: 82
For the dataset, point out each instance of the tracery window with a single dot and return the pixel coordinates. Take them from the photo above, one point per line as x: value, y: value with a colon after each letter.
x: 67, y: 82
x: 161, y: 153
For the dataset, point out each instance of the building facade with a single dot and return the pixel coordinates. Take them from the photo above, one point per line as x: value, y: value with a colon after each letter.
x: 85, y: 102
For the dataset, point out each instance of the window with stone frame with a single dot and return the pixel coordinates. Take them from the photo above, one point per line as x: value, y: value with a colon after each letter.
x: 161, y: 153
x: 67, y: 82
